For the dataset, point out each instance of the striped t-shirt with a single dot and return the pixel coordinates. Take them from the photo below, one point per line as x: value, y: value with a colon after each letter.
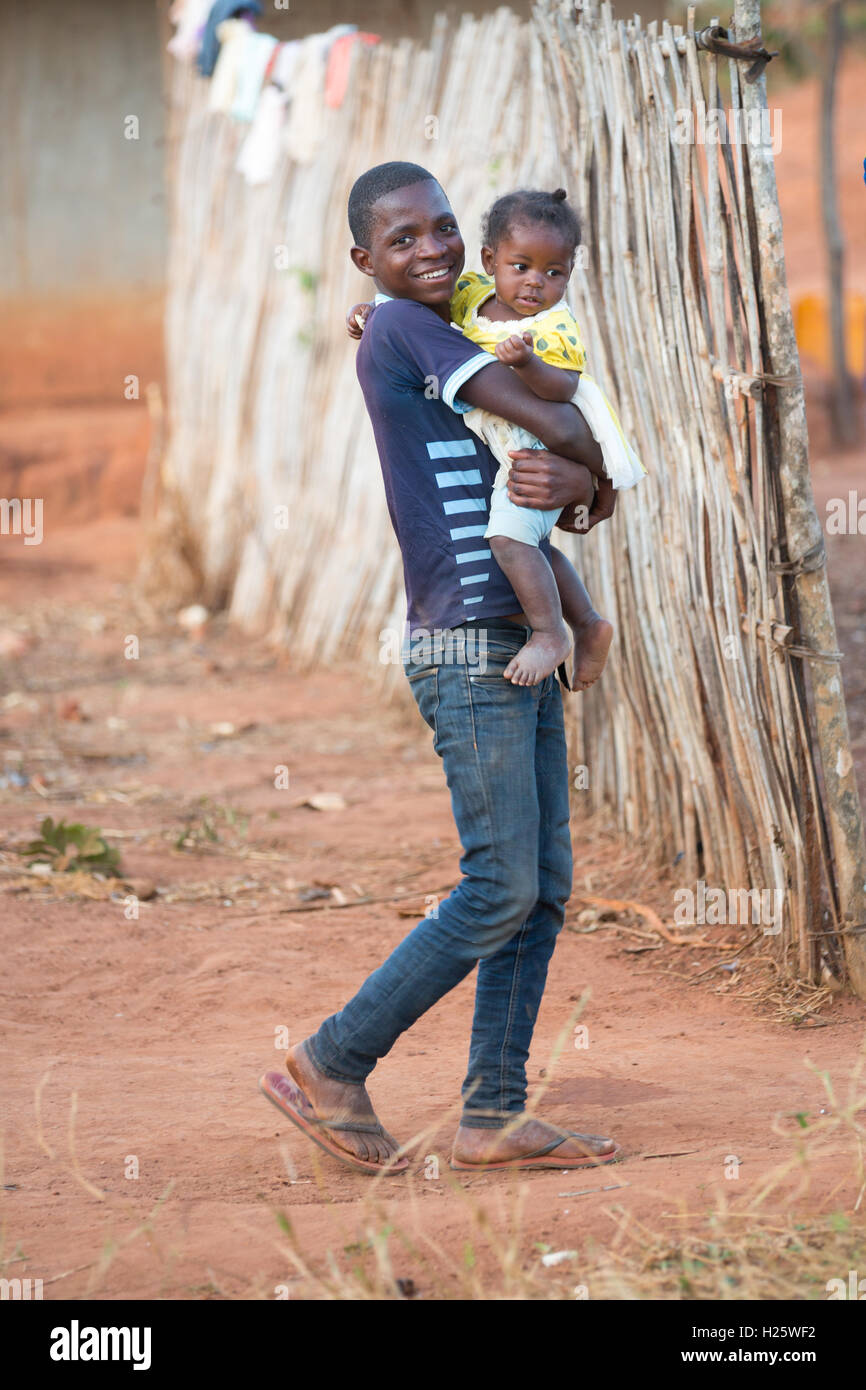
x: 438, y: 476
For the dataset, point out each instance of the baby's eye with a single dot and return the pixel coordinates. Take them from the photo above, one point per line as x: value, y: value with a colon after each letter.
x: 554, y: 273
x: 519, y: 265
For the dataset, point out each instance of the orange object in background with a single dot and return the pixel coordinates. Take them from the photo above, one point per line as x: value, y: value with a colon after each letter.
x: 812, y: 327
x: 337, y: 75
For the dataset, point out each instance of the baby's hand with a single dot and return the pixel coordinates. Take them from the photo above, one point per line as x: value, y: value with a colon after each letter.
x: 515, y: 351
x: 356, y: 318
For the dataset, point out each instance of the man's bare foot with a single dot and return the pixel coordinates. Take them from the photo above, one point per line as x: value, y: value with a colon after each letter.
x: 515, y: 1143
x: 540, y: 656
x: 337, y: 1101
x: 591, y: 645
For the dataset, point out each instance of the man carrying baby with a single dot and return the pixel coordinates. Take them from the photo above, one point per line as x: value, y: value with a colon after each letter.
x: 502, y: 745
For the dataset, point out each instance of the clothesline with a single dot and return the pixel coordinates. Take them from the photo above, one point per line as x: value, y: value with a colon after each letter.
x: 280, y: 89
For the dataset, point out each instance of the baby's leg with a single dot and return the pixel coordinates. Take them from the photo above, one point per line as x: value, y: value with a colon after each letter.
x: 514, y: 534
x: 593, y: 634
x: 531, y: 578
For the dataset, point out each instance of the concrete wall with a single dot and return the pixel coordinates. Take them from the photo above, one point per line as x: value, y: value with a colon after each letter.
x: 82, y: 208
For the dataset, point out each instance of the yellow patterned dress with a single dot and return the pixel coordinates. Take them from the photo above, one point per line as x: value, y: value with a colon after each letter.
x: 557, y: 341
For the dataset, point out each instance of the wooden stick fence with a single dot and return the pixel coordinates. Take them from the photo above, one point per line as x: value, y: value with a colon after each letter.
x: 701, y: 735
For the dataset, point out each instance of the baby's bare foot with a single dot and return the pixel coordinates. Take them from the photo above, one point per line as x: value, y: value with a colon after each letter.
x: 539, y: 657
x: 591, y: 646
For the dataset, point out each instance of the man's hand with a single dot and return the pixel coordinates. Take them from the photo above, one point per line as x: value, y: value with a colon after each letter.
x: 574, y: 519
x: 541, y: 479
x: 356, y: 318
x: 578, y: 520
x: 515, y: 351
x: 604, y: 505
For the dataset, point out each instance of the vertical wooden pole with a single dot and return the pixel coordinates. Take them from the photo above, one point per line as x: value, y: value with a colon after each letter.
x: 804, y: 536
x: 842, y: 406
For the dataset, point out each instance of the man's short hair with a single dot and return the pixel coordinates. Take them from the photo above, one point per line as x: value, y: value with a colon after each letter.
x: 377, y: 183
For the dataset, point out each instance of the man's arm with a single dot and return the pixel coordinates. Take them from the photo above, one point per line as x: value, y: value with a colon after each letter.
x: 559, y: 425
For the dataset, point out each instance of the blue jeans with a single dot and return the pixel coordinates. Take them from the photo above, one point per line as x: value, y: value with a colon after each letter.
x: 504, y: 753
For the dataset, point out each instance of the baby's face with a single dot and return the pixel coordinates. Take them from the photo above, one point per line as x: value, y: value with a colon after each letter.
x: 530, y: 266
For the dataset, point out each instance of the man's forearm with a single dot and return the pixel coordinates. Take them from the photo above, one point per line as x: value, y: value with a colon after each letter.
x: 558, y: 424
x: 570, y: 436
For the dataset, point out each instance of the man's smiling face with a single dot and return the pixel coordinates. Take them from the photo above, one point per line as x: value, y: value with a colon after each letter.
x: 416, y: 250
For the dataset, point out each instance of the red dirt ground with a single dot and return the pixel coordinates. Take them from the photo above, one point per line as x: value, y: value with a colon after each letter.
x: 161, y: 1026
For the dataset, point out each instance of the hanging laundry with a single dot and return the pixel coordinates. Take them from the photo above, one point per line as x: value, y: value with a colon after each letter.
x: 234, y: 35
x: 272, y: 62
x: 256, y: 55
x: 220, y: 11
x: 339, y: 63
x: 260, y: 152
x: 304, y: 131
x: 285, y: 65
x: 189, y: 17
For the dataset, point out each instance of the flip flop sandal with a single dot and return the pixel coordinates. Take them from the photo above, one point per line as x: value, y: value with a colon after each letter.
x: 534, y: 1160
x: 291, y: 1102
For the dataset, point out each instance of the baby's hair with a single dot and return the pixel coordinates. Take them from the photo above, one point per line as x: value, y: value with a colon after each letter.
x: 376, y: 183
x: 531, y: 205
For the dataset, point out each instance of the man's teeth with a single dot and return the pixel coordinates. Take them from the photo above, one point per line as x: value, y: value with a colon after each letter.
x: 434, y: 275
